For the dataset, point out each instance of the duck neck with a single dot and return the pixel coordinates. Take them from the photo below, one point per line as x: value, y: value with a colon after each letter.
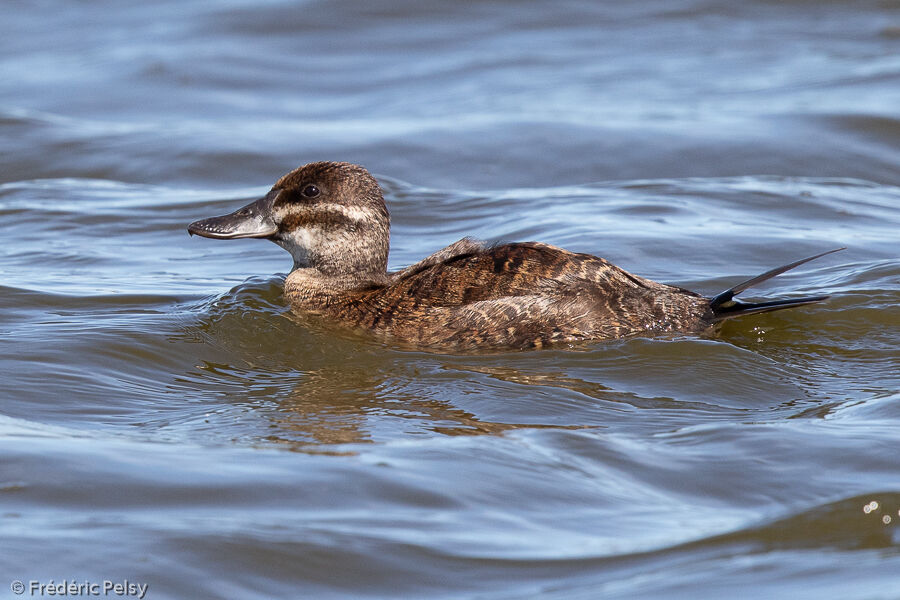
x: 312, y: 288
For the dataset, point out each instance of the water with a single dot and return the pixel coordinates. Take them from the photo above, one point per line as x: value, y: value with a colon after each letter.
x: 165, y: 421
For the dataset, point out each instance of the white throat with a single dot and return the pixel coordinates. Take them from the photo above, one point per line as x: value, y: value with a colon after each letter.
x: 298, y: 243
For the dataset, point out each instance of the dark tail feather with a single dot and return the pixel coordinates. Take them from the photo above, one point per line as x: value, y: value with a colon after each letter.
x: 724, y: 306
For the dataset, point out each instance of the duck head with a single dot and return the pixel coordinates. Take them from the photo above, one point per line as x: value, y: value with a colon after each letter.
x: 330, y: 216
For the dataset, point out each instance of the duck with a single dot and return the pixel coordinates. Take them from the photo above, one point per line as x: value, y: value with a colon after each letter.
x: 472, y: 295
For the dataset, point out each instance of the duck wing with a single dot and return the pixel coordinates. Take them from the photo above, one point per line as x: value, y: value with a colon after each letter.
x: 470, y: 271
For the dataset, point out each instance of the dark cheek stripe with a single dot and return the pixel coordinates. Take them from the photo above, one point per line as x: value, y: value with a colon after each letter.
x: 322, y: 220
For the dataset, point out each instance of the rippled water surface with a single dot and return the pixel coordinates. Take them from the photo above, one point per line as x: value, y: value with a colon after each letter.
x: 166, y: 420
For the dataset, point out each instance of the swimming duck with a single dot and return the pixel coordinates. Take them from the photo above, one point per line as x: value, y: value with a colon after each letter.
x: 332, y: 219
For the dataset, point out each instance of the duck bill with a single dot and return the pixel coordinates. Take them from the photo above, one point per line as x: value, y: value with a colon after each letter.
x: 252, y: 221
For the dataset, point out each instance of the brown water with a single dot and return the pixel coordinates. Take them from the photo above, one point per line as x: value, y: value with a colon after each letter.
x: 164, y: 420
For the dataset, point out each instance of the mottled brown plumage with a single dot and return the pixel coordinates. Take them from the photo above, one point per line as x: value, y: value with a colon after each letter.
x: 332, y: 218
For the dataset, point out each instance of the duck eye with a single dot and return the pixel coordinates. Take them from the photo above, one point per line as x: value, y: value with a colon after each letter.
x: 311, y: 191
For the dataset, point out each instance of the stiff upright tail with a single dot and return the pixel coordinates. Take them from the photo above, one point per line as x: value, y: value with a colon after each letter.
x: 724, y: 306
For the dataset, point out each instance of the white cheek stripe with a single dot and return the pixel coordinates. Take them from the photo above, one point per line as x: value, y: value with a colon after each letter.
x: 354, y: 213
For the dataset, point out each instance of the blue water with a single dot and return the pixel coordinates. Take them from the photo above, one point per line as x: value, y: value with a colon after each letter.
x: 165, y: 420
